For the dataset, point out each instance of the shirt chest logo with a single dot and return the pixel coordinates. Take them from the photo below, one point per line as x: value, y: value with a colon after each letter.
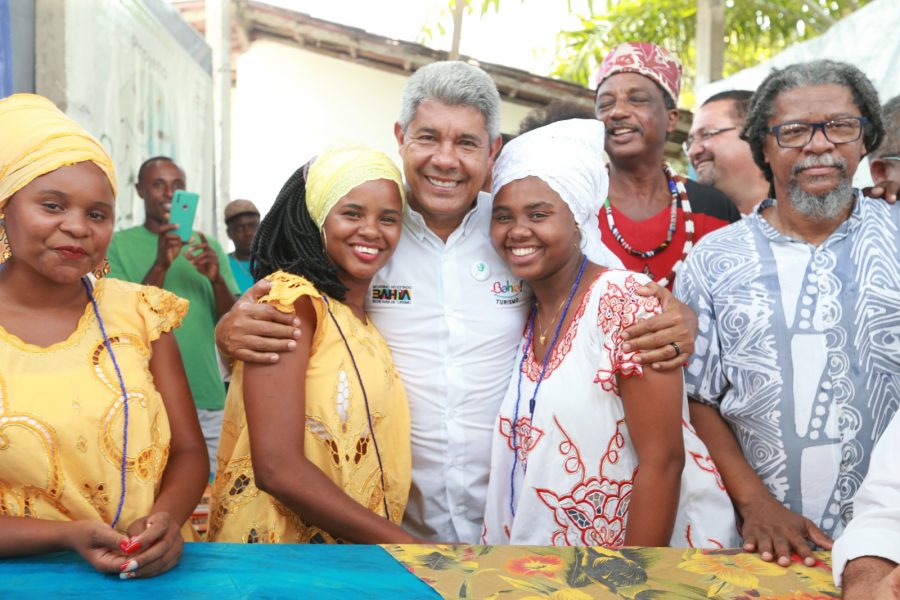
x: 392, y: 294
x: 506, y: 292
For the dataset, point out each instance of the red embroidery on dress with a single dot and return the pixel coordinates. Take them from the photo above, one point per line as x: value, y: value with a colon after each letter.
x: 617, y: 310
x: 706, y: 464
x: 532, y: 368
x: 594, y: 512
x: 527, y: 436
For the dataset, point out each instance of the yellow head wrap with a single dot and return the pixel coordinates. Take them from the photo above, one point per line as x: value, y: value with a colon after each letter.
x: 338, y: 170
x: 39, y: 138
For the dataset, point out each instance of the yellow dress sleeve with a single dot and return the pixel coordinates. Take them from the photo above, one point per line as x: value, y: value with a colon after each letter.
x: 286, y: 288
x: 161, y: 311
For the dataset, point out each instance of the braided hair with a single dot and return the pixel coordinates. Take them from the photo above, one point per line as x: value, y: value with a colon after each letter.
x: 288, y: 240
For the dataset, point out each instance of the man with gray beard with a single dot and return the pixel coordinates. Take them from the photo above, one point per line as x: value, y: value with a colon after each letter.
x: 797, y: 366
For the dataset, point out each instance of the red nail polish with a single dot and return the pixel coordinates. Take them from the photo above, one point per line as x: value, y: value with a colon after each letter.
x: 133, y: 547
x: 123, y: 546
x: 123, y: 567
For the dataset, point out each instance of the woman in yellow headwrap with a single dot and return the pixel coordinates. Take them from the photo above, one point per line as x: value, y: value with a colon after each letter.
x: 315, y: 447
x: 100, y: 448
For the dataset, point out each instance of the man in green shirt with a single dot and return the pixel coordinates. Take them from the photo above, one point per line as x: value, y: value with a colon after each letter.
x: 198, y: 271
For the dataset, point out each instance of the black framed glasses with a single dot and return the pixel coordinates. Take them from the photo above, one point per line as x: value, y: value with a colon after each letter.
x: 704, y: 135
x: 797, y: 134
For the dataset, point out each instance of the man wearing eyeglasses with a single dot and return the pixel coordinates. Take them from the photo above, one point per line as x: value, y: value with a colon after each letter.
x: 719, y: 156
x: 797, y: 369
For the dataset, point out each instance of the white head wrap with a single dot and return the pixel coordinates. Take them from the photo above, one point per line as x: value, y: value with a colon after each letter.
x: 567, y: 156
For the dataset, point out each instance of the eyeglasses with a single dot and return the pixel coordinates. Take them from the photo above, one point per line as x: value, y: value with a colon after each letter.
x: 703, y: 136
x: 890, y: 157
x: 837, y: 131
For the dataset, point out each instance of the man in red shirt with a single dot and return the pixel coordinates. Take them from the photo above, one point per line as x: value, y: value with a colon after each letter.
x: 652, y: 216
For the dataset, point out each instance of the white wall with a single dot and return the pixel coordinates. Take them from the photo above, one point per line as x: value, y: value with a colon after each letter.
x: 289, y: 103
x: 118, y: 71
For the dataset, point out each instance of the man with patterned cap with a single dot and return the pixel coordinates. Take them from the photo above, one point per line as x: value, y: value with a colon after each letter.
x: 652, y: 216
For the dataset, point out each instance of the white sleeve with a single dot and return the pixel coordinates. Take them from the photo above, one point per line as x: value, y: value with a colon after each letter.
x: 875, y: 528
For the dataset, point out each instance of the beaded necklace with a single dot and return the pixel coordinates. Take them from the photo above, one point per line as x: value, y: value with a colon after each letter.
x: 532, y: 403
x: 387, y: 514
x: 112, y: 356
x: 679, y: 194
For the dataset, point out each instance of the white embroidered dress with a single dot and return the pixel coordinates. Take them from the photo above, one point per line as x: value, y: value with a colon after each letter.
x: 576, y: 464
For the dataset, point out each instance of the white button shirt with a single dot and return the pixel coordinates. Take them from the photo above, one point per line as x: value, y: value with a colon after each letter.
x: 875, y: 528
x: 452, y: 314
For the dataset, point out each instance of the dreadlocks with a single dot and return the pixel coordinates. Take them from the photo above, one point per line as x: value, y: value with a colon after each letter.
x: 288, y: 240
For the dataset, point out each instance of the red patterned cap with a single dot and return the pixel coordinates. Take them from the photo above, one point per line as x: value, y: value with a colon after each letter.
x: 644, y: 58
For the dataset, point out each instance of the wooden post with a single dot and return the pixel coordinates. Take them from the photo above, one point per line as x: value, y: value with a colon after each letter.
x: 710, y: 41
x: 458, y: 10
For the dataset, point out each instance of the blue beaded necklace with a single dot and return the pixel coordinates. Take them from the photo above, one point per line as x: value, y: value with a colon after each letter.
x: 112, y: 356
x: 387, y: 514
x: 533, y: 402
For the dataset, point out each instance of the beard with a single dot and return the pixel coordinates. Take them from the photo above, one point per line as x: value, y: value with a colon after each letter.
x: 826, y: 205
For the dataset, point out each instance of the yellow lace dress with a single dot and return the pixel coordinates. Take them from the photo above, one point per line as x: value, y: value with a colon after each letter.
x: 337, y: 437
x: 61, y: 412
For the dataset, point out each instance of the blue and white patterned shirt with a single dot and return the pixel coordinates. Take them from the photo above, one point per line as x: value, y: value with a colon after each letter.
x: 799, y: 349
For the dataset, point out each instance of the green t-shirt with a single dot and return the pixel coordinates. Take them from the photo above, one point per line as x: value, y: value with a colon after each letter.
x: 131, y: 254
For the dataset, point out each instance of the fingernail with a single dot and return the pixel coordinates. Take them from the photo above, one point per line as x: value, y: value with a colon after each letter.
x: 296, y: 333
x: 130, y: 566
x: 626, y: 347
x: 296, y: 322
x: 133, y: 547
x: 129, y: 575
x: 292, y: 344
x: 123, y: 546
x: 625, y: 335
x: 766, y: 555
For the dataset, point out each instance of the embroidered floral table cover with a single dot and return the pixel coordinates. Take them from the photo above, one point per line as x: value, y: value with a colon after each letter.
x: 585, y: 573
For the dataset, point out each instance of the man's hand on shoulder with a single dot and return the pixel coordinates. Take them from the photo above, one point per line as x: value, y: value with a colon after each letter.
x: 254, y: 332
x: 886, y: 190
x: 664, y: 341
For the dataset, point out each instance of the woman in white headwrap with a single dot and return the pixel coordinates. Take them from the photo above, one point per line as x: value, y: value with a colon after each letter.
x: 581, y: 414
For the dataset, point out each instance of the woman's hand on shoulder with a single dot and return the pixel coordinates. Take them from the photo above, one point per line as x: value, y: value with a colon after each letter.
x: 664, y: 341
x: 155, y: 545
x: 254, y: 332
x: 99, y: 544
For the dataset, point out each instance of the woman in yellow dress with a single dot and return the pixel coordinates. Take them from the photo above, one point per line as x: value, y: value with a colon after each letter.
x: 100, y: 448
x: 315, y: 447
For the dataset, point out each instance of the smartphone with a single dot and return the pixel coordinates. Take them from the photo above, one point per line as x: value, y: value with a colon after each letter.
x: 184, y: 209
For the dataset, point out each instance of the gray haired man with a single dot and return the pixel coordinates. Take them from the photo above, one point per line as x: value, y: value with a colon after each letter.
x: 798, y: 368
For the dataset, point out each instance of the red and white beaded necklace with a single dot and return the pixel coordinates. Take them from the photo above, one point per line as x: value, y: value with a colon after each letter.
x: 679, y: 193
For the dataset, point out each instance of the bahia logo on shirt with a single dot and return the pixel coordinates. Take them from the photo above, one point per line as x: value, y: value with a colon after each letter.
x: 392, y: 294
x: 507, y: 292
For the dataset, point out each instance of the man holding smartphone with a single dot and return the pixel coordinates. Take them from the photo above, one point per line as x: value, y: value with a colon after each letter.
x: 154, y: 254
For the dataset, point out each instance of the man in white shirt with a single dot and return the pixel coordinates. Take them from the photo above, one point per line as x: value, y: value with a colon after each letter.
x: 865, y: 557
x: 449, y: 308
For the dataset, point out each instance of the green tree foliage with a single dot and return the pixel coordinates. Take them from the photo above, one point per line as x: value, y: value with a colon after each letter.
x: 755, y: 30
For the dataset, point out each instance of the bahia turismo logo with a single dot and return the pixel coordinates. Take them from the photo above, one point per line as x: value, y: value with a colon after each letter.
x: 507, y: 292
x: 392, y: 294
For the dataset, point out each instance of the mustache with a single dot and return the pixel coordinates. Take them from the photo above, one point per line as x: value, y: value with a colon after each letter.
x: 824, y: 160
x: 615, y: 124
x: 701, y: 157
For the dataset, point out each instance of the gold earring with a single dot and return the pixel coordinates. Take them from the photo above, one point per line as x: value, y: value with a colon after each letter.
x: 5, y: 252
x: 102, y: 270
